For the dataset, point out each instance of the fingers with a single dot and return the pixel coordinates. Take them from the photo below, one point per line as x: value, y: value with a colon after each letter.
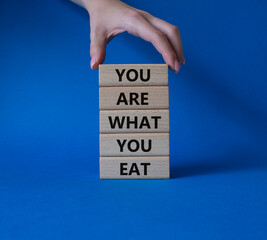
x: 97, y: 49
x: 164, y: 36
x: 172, y: 33
x: 139, y: 26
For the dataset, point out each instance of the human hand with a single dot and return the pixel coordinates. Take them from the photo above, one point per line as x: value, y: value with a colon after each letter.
x: 108, y: 18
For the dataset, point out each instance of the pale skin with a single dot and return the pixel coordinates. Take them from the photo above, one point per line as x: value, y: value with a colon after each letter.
x: 109, y: 18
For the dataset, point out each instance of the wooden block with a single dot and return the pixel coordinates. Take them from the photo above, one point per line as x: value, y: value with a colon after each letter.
x: 134, y: 144
x: 134, y: 121
x: 133, y: 98
x: 133, y: 75
x: 134, y: 167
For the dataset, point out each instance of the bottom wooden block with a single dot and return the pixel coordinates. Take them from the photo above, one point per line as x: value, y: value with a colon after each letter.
x: 134, y: 167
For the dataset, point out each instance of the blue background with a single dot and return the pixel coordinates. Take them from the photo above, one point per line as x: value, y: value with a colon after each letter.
x: 49, y: 125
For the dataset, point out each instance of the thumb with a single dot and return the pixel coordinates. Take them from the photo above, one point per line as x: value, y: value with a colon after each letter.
x: 97, y: 50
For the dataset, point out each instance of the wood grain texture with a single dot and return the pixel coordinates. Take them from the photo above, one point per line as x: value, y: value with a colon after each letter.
x: 151, y: 97
x: 116, y: 75
x: 134, y: 167
x: 134, y: 144
x: 134, y: 121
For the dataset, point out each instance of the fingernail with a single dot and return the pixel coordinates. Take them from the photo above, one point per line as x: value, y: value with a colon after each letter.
x: 92, y: 64
x: 177, y: 66
x: 183, y: 60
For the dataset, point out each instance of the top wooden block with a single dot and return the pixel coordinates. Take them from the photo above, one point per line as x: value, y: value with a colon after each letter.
x: 133, y: 75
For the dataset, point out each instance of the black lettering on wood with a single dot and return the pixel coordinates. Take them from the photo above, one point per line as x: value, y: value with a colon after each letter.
x: 116, y: 121
x: 145, y: 167
x: 121, y: 144
x: 122, y: 168
x: 147, y: 75
x: 156, y: 118
x: 122, y: 99
x: 120, y: 74
x: 134, y: 169
x: 128, y: 75
x: 143, y: 98
x: 133, y: 145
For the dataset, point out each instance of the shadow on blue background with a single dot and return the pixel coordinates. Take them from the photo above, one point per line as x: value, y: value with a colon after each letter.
x: 49, y: 121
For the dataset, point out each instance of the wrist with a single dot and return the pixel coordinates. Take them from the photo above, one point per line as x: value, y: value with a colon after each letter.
x: 93, y: 6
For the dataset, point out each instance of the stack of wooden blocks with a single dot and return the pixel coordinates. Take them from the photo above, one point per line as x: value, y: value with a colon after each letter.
x: 134, y: 121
